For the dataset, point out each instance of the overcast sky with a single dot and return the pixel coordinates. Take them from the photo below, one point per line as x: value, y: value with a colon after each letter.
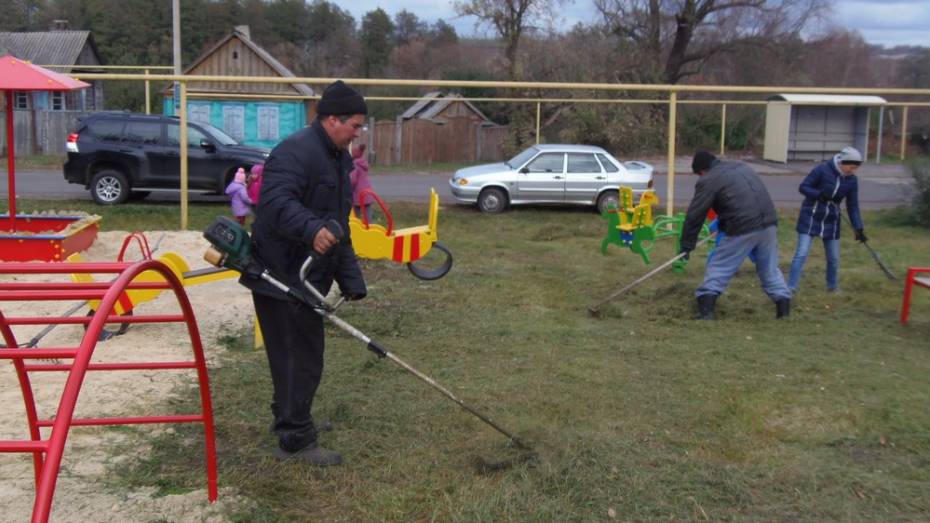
x: 888, y: 22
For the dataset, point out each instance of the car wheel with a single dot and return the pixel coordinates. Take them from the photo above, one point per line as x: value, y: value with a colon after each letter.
x: 109, y: 187
x: 492, y: 201
x: 608, y: 200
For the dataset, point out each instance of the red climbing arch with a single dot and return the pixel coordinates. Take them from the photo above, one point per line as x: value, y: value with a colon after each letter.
x: 47, y: 453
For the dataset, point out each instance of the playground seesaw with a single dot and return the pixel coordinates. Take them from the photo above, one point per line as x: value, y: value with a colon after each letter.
x: 409, y: 246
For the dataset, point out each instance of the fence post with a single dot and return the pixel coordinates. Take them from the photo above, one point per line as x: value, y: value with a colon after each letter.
x: 183, y: 139
x: 723, y: 129
x: 538, y: 113
x: 672, y: 124
x: 878, y: 144
x: 148, y: 94
x: 903, y: 131
x: 479, y: 135
x: 372, y: 155
x: 398, y: 137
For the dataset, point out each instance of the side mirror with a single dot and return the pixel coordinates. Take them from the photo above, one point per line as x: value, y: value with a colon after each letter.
x: 524, y: 170
x: 207, y: 145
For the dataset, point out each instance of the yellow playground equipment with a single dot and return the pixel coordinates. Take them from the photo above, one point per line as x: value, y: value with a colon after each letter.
x: 409, y: 246
x: 131, y: 298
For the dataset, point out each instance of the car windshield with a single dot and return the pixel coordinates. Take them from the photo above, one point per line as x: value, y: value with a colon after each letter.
x: 220, y: 136
x: 522, y: 158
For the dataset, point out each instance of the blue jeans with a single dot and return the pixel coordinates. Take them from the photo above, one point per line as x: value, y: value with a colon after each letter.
x: 832, y: 249
x: 720, y: 236
x: 731, y: 252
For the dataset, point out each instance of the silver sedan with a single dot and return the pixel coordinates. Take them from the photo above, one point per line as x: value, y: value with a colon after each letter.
x: 550, y: 174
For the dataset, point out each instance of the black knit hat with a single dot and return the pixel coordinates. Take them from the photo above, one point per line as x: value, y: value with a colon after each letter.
x: 339, y: 99
x: 702, y: 161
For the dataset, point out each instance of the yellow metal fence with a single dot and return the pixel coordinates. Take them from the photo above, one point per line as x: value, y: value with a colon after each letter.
x: 667, y: 94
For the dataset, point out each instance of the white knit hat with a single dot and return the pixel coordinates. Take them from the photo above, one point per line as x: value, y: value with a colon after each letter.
x: 849, y: 155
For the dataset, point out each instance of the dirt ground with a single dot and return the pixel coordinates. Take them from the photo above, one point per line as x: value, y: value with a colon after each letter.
x: 81, y: 493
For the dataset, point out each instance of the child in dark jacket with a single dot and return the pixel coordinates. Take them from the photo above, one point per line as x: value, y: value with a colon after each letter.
x: 239, y: 200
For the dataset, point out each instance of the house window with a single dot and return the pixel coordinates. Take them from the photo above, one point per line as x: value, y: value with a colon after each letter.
x: 199, y: 113
x: 57, y: 101
x: 234, y: 121
x: 21, y: 101
x: 268, y: 123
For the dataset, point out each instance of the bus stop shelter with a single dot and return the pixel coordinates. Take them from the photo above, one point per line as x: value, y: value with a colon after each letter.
x: 816, y: 126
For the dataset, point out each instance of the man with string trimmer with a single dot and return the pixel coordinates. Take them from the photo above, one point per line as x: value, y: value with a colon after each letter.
x: 306, y: 185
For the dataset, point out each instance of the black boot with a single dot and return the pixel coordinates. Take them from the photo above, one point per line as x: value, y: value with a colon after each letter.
x: 312, y: 454
x: 782, y: 308
x: 706, y: 304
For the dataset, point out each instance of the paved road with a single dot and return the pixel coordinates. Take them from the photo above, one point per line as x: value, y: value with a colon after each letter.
x: 880, y: 186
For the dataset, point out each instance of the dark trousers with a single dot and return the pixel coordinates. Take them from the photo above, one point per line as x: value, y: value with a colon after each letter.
x: 294, y: 344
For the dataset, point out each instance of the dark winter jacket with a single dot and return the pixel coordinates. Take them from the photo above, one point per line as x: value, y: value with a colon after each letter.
x: 306, y: 183
x: 819, y: 218
x: 737, y: 194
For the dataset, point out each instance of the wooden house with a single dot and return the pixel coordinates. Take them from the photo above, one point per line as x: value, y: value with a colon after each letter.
x: 259, y: 114
x: 74, y: 51
x: 440, y: 108
x: 42, y: 119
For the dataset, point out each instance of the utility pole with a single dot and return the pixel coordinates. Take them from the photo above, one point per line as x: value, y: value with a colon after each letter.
x: 180, y: 105
x: 176, y: 48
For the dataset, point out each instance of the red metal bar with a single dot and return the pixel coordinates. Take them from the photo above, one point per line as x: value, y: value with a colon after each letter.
x: 47, y: 454
x: 154, y: 365
x: 78, y: 320
x: 64, y: 417
x: 909, y: 283
x: 23, y: 446
x: 82, y: 286
x: 25, y: 387
x: 10, y: 162
x: 37, y: 354
x: 51, y: 295
x: 137, y: 420
x: 141, y: 240
x: 64, y: 268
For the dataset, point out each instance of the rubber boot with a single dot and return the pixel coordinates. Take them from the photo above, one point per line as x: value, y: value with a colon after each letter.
x: 782, y: 308
x: 706, y: 304
x: 312, y: 454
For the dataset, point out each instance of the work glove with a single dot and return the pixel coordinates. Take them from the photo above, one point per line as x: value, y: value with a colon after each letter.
x: 825, y: 196
x: 860, y: 235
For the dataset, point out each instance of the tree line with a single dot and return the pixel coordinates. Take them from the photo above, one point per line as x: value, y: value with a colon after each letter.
x: 746, y: 42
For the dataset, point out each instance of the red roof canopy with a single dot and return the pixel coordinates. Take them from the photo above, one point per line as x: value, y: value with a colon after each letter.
x: 17, y: 75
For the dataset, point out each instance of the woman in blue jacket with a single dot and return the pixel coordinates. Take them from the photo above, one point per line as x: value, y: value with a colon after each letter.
x: 823, y: 189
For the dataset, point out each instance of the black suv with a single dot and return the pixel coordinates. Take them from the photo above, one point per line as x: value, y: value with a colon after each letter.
x: 118, y: 155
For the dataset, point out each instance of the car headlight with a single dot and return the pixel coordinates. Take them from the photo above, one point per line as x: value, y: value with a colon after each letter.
x: 462, y: 181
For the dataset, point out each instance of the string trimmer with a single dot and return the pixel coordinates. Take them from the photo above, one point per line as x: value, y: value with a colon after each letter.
x: 231, y: 248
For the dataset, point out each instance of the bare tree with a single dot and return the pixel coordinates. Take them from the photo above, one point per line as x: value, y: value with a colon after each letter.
x: 680, y: 36
x: 511, y: 19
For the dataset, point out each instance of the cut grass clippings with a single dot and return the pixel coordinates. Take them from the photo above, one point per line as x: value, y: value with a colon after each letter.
x: 642, y: 414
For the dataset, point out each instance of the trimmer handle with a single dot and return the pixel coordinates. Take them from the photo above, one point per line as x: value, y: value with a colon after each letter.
x: 336, y: 230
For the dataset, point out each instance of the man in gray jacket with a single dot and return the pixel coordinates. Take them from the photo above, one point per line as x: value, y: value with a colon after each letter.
x: 747, y: 215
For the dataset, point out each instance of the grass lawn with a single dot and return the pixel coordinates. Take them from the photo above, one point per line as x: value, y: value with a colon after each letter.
x: 642, y: 414
x: 36, y: 161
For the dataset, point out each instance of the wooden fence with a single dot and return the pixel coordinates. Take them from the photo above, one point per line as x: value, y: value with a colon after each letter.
x: 39, y: 132
x: 459, y: 140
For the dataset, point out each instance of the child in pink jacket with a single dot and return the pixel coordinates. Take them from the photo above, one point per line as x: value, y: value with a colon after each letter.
x: 359, y: 179
x: 256, y: 175
x: 239, y: 200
